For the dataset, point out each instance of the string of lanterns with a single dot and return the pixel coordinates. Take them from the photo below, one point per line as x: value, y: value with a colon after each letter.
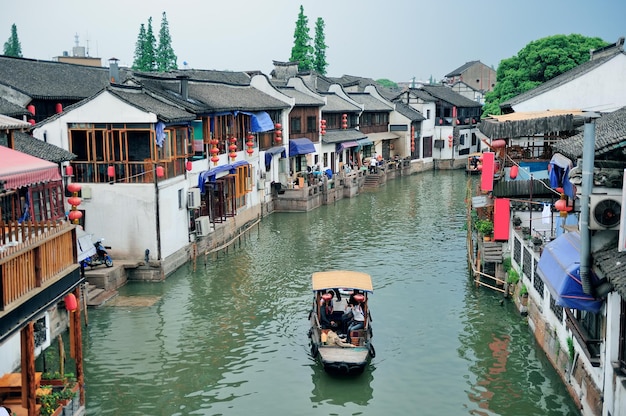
x: 344, y: 121
x: 250, y: 144
x: 278, y: 132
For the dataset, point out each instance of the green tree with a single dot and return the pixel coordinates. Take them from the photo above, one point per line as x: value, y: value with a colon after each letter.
x: 302, y: 51
x: 387, y: 83
x: 12, y: 47
x: 165, y: 57
x: 536, y: 63
x: 139, y: 49
x: 319, y: 63
x: 149, y: 49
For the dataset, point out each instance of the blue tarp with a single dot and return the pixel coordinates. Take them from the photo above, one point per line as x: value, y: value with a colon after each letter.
x: 559, y: 268
x: 260, y: 121
x: 210, y: 175
x: 345, y: 145
x: 300, y: 146
x: 271, y: 152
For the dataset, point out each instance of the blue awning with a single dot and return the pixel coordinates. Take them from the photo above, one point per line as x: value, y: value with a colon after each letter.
x: 211, y: 175
x: 273, y: 151
x: 559, y: 268
x: 300, y: 146
x: 259, y: 121
x: 364, y: 142
x: 345, y: 145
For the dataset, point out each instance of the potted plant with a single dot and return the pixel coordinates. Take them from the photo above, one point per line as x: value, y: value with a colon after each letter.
x: 485, y: 227
x: 537, y: 242
x: 524, y: 295
x: 517, y: 222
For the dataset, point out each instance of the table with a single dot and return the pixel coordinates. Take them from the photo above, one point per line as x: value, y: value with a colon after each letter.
x: 12, y: 382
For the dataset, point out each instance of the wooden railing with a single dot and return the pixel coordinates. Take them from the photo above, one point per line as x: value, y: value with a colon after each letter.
x: 32, y: 255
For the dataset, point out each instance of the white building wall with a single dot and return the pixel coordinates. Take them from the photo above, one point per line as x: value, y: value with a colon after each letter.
x: 590, y: 91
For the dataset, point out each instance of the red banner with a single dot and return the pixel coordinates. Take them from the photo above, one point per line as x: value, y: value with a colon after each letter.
x: 501, y: 219
x: 486, y: 177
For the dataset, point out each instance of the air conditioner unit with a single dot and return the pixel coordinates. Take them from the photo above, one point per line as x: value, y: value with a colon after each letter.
x: 203, y: 226
x: 193, y: 198
x: 605, y: 209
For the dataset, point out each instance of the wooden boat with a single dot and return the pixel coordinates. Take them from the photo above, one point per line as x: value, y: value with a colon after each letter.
x: 473, y: 161
x: 336, y: 354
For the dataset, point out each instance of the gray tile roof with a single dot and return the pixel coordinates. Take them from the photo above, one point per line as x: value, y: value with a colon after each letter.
x: 370, y: 102
x: 447, y: 94
x: 26, y: 143
x: 362, y: 82
x: 52, y: 80
x: 11, y: 123
x: 337, y: 104
x: 141, y: 99
x: 13, y: 110
x: 301, y: 98
x: 339, y: 136
x: 409, y: 112
x: 610, y: 138
x: 224, y: 77
x: 612, y: 264
x: 557, y: 81
x: 461, y: 69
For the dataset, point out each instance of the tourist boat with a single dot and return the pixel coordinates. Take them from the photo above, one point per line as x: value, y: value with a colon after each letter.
x: 339, y: 288
x: 473, y: 162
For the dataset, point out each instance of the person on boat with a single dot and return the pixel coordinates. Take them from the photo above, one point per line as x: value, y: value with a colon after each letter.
x: 333, y: 339
x: 5, y: 411
x: 326, y: 311
x: 358, y: 315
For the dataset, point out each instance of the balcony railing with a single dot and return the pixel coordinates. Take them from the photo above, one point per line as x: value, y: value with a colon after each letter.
x: 126, y: 171
x: 33, y: 255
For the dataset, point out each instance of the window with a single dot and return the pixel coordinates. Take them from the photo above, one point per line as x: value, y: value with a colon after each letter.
x: 586, y: 327
x: 622, y: 338
x: 311, y: 124
x: 428, y: 114
x: 295, y: 126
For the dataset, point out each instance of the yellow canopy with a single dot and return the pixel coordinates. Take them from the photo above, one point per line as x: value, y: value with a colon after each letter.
x: 342, y: 279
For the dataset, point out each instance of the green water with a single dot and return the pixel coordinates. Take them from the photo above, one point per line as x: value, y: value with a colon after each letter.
x: 230, y: 337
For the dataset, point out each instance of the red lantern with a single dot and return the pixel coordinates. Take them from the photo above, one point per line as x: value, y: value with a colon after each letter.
x: 278, y: 126
x: 69, y: 170
x: 232, y: 147
x: 188, y: 165
x: 73, y: 187
x: 160, y: 172
x: 31, y: 121
x: 59, y: 108
x: 440, y: 121
x: 31, y: 109
x: 250, y: 151
x: 498, y: 144
x: 514, y: 171
x: 111, y: 171
x: 278, y: 136
x: 74, y: 201
x: 70, y: 302
x: 75, y: 215
x: 232, y: 155
x: 250, y: 143
x: 215, y: 159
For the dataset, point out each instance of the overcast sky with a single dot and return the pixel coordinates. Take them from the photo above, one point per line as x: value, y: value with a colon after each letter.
x: 394, y: 39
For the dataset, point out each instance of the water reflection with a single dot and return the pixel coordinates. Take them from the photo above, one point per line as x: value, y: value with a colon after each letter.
x: 340, y: 390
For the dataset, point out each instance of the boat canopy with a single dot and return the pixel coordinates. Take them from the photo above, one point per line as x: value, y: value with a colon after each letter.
x: 342, y: 279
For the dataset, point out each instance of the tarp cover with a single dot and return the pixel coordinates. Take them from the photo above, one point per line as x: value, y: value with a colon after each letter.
x: 559, y: 268
x: 84, y: 245
x: 269, y: 153
x: 300, y: 146
x: 19, y: 169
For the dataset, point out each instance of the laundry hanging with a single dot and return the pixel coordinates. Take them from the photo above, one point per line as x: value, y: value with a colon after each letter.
x: 546, y: 214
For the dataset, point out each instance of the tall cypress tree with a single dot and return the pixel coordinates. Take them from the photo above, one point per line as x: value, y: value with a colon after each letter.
x: 12, y: 47
x: 320, y: 64
x: 165, y: 57
x: 149, y: 49
x: 139, y: 49
x: 302, y: 52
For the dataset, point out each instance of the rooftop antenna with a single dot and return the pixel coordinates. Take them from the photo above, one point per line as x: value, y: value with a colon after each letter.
x: 76, y: 39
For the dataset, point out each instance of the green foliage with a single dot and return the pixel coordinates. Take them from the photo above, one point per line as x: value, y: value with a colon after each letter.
x: 319, y: 62
x: 387, y: 83
x: 570, y: 348
x: 512, y: 276
x: 141, y: 40
x: 145, y: 49
x: 536, y: 63
x: 12, y: 46
x: 165, y: 56
x: 506, y: 264
x: 302, y: 51
x: 485, y: 227
x: 523, y: 290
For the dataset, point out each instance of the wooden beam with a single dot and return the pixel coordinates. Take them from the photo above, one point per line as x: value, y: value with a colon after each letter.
x: 78, y: 347
x: 27, y: 336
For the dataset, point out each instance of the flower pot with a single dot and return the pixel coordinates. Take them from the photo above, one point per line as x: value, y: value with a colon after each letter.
x: 524, y: 299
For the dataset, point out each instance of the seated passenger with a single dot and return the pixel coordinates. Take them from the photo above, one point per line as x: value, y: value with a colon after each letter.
x: 326, y: 311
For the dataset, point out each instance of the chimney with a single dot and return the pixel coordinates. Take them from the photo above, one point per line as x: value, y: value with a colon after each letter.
x: 184, y: 86
x: 114, y: 71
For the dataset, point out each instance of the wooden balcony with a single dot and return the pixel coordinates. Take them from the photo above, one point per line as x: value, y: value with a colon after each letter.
x: 37, y: 268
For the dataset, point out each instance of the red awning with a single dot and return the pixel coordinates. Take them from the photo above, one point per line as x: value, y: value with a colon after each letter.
x: 18, y: 169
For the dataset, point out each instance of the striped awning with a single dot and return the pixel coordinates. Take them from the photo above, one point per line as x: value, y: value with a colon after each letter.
x: 19, y: 170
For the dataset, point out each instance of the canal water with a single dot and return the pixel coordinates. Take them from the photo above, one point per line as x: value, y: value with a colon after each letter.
x: 228, y: 334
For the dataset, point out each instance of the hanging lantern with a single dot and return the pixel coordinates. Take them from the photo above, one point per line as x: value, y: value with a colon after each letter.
x: 514, y: 171
x: 74, y: 200
x: 69, y: 170
x: 111, y: 171
x: 344, y: 121
x: 31, y: 121
x: 232, y: 148
x: 31, y: 109
x: 59, y: 108
x: 160, y: 172
x: 278, y: 135
x: 70, y: 302
x: 323, y: 127
x: 450, y: 141
x: 215, y: 159
x: 74, y: 188
x: 75, y: 215
x: 188, y: 165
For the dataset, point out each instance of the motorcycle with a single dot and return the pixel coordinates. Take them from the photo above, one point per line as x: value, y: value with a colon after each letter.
x: 101, y: 256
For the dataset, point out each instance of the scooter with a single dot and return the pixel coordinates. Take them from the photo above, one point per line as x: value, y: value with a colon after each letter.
x: 101, y: 256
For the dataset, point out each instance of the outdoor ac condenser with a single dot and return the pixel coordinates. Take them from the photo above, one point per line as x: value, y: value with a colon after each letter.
x: 203, y: 226
x: 193, y: 198
x: 605, y: 208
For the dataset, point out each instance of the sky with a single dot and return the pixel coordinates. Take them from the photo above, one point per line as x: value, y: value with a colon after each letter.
x: 400, y: 40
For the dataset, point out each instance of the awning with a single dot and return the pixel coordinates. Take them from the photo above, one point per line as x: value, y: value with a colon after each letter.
x: 559, y: 268
x: 346, y: 145
x: 364, y: 142
x: 300, y: 146
x: 260, y: 121
x: 269, y: 153
x: 387, y: 135
x: 19, y: 169
x: 222, y: 170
